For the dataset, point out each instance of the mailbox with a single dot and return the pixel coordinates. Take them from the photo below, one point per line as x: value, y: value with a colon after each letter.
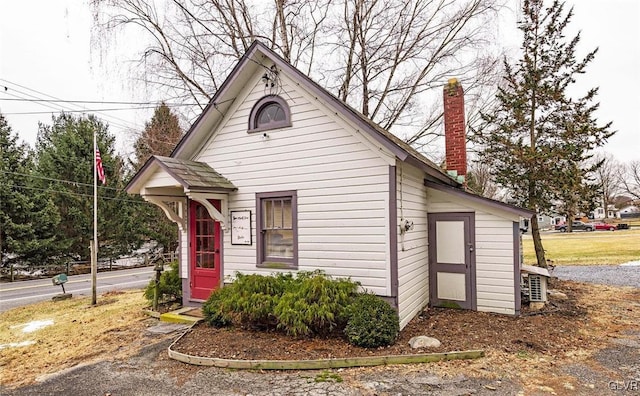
x: 60, y: 280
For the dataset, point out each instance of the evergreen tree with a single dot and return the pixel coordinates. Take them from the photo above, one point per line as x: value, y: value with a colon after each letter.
x: 65, y: 166
x: 159, y: 137
x: 28, y: 216
x: 538, y: 137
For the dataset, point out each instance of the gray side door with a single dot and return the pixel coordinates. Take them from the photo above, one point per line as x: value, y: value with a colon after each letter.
x: 452, y: 260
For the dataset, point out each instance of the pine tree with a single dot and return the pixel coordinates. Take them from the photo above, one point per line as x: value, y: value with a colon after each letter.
x: 65, y: 165
x: 28, y: 217
x: 159, y: 137
x: 538, y: 138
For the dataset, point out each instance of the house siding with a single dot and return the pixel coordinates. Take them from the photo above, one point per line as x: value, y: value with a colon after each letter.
x: 493, y: 248
x: 341, y: 184
x: 413, y: 268
x: 184, y: 258
x: 161, y: 178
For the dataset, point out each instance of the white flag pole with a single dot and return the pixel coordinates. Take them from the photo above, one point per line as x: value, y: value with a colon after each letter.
x: 94, y: 251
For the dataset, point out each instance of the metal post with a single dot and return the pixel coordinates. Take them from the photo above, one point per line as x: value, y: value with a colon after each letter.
x: 156, y: 289
x: 94, y: 271
x: 94, y: 250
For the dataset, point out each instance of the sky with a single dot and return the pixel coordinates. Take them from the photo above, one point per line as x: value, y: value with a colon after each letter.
x: 47, y: 51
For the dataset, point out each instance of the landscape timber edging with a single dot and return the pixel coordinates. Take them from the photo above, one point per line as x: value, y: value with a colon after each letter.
x: 319, y: 363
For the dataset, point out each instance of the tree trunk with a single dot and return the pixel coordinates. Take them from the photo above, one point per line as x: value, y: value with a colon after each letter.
x: 570, y: 216
x: 537, y: 242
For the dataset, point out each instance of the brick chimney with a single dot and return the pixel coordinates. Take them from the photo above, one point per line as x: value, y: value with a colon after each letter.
x: 454, y: 133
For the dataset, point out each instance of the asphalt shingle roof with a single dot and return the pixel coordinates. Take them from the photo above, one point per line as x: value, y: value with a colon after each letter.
x: 194, y: 174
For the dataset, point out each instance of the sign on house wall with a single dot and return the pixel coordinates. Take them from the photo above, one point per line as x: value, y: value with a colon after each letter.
x: 241, y: 227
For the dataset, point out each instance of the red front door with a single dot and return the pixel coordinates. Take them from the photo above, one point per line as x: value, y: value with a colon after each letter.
x: 204, y: 242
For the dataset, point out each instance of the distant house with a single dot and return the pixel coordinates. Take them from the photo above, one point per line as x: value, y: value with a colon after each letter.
x: 599, y: 213
x: 277, y: 174
x: 549, y: 221
x: 629, y: 212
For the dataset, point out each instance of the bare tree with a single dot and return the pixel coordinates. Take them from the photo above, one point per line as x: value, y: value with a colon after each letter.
x: 381, y: 57
x: 631, y: 179
x: 607, y: 178
x: 480, y: 180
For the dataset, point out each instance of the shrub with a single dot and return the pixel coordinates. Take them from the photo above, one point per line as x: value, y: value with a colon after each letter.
x: 169, y: 288
x: 217, y: 310
x: 316, y: 305
x: 255, y: 297
x: 372, y: 322
x: 311, y: 303
x: 248, y: 301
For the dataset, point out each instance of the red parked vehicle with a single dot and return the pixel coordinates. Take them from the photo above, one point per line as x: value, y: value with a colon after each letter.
x: 605, y: 226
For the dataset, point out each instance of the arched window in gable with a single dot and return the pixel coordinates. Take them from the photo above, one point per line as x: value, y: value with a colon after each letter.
x: 270, y: 112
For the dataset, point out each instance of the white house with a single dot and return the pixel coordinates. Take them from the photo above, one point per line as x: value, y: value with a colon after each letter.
x: 548, y: 221
x: 611, y: 213
x: 630, y: 211
x: 279, y: 175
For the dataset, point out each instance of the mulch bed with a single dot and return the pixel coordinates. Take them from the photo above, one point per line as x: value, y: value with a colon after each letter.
x: 554, y: 330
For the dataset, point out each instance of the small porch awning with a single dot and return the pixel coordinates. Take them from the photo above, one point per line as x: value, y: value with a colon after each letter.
x: 192, y: 175
x: 164, y: 180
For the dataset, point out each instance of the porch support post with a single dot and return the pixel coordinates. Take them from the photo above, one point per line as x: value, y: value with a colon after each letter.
x: 168, y: 211
x: 213, y: 212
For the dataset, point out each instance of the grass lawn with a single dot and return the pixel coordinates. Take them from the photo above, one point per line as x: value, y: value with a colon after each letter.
x: 46, y: 337
x: 586, y: 248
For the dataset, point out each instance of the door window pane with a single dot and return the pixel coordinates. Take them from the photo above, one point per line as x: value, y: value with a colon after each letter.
x: 205, y: 249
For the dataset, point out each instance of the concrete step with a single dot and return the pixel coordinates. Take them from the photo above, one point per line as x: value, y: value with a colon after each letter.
x: 185, y: 315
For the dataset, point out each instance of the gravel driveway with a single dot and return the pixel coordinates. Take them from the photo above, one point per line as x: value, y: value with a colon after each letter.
x: 152, y: 373
x: 615, y: 275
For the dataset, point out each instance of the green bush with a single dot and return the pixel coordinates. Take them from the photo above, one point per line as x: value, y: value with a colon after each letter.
x: 311, y: 303
x: 170, y: 286
x: 372, y: 322
x: 248, y: 301
x: 316, y: 305
x: 217, y: 310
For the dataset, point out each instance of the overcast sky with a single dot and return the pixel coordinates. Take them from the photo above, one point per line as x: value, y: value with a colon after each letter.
x: 46, y: 51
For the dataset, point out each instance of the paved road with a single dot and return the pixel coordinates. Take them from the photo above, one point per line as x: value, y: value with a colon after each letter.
x: 17, y: 294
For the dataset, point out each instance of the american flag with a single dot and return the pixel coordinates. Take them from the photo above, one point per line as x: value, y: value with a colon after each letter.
x: 99, y: 168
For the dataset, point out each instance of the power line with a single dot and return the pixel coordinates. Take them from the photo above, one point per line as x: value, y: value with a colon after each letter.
x: 59, y: 180
x: 21, y: 93
x: 66, y: 107
x: 83, y: 111
x: 100, y: 102
x: 61, y: 107
x: 76, y: 194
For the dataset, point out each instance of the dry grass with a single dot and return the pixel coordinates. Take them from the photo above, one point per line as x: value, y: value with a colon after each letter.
x: 79, y: 333
x: 612, y: 312
x: 587, y: 248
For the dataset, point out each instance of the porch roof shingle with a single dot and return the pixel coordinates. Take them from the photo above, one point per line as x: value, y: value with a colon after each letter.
x: 194, y: 175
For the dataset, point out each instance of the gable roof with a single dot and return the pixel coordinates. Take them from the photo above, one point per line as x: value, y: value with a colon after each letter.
x: 249, y: 64
x: 192, y: 175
